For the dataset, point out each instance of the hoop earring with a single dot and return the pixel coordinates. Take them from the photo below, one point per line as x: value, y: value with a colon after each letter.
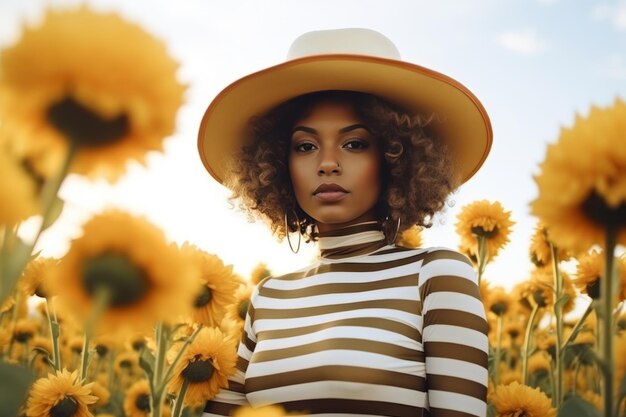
x: 395, y: 236
x: 287, y: 232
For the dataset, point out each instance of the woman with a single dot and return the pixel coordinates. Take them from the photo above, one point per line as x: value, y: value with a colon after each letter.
x: 338, y: 147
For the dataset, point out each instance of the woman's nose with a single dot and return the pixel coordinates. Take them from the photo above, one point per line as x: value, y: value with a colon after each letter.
x: 329, y: 165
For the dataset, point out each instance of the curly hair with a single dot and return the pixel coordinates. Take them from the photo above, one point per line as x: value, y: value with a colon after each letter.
x: 416, y: 167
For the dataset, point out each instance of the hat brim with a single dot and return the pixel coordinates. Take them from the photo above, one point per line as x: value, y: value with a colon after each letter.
x: 464, y: 124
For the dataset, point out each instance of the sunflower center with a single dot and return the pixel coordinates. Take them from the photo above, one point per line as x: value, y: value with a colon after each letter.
x: 125, y: 283
x: 243, y: 309
x: 23, y: 336
x: 539, y: 298
x: 593, y: 289
x: 499, y: 308
x: 138, y: 344
x: 600, y: 213
x: 102, y: 350
x: 143, y: 402
x: 67, y: 407
x: 203, y: 298
x: 480, y: 231
x: 198, y: 371
x: 85, y: 127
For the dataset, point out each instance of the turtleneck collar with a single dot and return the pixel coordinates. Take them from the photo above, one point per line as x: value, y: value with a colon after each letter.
x: 349, y: 241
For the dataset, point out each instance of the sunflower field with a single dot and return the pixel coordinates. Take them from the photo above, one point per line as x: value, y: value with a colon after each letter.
x: 130, y: 324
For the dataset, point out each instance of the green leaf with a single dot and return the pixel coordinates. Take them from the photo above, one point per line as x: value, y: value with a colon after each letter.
x: 576, y: 406
x: 15, y: 382
x: 55, y: 212
x: 146, y: 362
x: 560, y: 303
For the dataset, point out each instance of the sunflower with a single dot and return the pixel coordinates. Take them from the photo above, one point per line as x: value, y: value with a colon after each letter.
x: 237, y: 311
x: 137, y: 400
x: 126, y: 363
x: 582, y: 189
x: 102, y: 393
x: 540, y: 253
x: 541, y: 287
x: 25, y: 330
x: 410, y: 238
x: 266, y: 411
x: 93, y: 78
x: 484, y: 219
x: 217, y: 286
x: 499, y: 301
x: 205, y: 366
x: 539, y: 363
x: 259, y: 273
x: 60, y: 394
x: 514, y: 329
x: 36, y: 274
x: 516, y: 399
x: 146, y: 279
x: 18, y: 191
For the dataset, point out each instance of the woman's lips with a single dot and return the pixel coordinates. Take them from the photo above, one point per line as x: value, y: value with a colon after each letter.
x: 330, y: 192
x: 331, y: 195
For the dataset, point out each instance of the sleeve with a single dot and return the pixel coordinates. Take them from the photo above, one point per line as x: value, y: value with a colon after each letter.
x: 454, y: 335
x: 229, y: 399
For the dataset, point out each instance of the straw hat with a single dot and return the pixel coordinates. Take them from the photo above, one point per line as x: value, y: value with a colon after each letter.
x: 347, y: 59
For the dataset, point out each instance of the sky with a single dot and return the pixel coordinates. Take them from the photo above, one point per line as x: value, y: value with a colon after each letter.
x: 534, y: 64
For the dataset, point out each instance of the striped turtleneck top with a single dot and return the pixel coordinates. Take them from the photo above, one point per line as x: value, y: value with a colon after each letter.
x: 369, y: 329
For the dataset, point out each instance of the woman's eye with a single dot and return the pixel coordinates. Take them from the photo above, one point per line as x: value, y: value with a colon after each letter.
x: 304, y: 147
x: 356, y: 144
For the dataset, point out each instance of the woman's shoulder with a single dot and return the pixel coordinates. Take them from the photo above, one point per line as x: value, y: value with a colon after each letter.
x: 430, y: 254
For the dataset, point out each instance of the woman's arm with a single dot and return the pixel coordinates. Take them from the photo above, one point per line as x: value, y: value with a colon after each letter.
x: 454, y: 335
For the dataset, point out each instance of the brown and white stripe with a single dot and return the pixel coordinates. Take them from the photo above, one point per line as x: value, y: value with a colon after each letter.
x: 368, y: 330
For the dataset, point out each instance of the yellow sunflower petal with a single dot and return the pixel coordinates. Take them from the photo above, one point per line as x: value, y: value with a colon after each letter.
x: 81, y: 67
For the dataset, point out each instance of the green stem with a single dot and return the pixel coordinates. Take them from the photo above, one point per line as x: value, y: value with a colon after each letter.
x: 170, y: 369
x: 607, y: 302
x: 16, y: 255
x: 51, y: 190
x: 482, y: 256
x: 496, y: 362
x: 558, y: 313
x: 54, y: 335
x: 178, y: 408
x: 100, y: 304
x: 526, y: 349
x: 158, y: 386
x: 576, y: 371
x: 578, y: 325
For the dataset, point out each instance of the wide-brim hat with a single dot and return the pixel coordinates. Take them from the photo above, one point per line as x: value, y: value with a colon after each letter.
x: 347, y: 59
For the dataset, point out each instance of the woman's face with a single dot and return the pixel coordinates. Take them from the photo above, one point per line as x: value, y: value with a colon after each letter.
x: 334, y: 164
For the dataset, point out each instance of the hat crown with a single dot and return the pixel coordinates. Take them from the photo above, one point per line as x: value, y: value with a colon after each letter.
x: 357, y: 41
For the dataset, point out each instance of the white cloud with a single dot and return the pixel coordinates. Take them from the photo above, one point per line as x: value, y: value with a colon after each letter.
x: 615, y: 14
x: 526, y: 42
